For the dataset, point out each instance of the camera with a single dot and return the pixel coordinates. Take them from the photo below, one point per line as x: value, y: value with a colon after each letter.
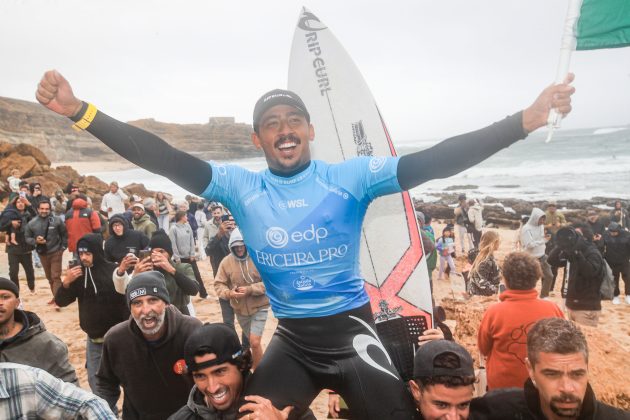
x: 567, y: 238
x: 73, y: 263
x: 225, y: 218
x: 132, y: 250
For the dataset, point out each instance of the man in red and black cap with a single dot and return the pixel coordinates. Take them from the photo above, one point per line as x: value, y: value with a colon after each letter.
x: 220, y: 368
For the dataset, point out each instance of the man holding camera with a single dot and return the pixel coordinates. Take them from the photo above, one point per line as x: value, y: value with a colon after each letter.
x: 89, y: 281
x: 47, y: 233
x: 585, y: 264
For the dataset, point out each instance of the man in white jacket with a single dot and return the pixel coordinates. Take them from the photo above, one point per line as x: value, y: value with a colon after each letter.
x: 114, y: 201
x: 533, y: 241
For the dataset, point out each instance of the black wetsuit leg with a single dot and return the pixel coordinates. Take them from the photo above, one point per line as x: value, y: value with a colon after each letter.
x: 339, y: 352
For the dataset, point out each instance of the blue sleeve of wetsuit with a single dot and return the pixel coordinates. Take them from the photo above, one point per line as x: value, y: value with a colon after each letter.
x: 459, y: 153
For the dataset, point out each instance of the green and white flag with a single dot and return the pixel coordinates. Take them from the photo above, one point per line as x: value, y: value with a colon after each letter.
x: 590, y: 25
x: 603, y: 24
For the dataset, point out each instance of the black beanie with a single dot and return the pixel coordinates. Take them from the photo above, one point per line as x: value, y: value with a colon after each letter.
x: 161, y: 240
x: 149, y: 283
x: 211, y: 338
x: 6, y: 284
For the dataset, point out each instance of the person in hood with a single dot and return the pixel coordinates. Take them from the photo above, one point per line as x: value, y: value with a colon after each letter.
x: 182, y: 238
x: 617, y: 255
x: 141, y: 220
x: 143, y: 354
x: 80, y: 221
x: 533, y: 242
x: 220, y: 368
x: 25, y: 340
x: 179, y: 277
x: 123, y: 240
x: 100, y: 306
x: 239, y: 282
x: 586, y: 265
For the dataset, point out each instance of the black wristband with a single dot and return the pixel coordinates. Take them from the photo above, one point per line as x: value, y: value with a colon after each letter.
x: 79, y: 114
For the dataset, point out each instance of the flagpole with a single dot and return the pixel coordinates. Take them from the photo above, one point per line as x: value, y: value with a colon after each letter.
x: 567, y: 46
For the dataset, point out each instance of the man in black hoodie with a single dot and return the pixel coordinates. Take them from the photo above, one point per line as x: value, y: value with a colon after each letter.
x: 100, y: 306
x: 123, y: 240
x: 617, y: 254
x: 586, y: 266
x: 24, y: 339
x: 143, y: 354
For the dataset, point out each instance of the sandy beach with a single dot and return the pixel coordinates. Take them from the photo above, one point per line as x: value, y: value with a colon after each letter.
x: 608, y: 344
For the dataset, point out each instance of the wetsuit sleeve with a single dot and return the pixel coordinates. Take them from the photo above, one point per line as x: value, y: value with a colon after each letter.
x: 152, y: 153
x: 456, y: 154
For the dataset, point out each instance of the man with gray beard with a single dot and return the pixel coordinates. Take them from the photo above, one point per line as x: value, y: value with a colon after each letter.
x: 143, y: 354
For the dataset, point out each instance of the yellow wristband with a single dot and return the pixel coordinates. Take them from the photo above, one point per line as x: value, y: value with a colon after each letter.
x: 86, y: 119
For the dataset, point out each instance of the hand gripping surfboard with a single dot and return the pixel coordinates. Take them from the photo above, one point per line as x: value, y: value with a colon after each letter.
x: 348, y: 124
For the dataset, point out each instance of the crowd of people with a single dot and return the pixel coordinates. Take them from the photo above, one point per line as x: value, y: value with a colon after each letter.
x: 133, y: 271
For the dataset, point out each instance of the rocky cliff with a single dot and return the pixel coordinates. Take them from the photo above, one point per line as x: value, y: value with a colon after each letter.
x: 30, y: 123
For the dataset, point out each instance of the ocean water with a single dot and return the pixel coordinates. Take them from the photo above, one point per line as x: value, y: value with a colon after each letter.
x: 576, y: 164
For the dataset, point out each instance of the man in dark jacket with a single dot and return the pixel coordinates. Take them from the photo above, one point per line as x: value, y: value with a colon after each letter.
x: 36, y: 196
x: 597, y: 227
x: 141, y: 354
x: 617, y: 254
x: 48, y: 235
x: 100, y: 306
x: 557, y: 388
x: 586, y: 265
x: 24, y: 339
x: 20, y: 251
x: 123, y: 240
x: 220, y: 368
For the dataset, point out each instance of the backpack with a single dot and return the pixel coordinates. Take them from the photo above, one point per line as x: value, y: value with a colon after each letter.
x: 607, y: 288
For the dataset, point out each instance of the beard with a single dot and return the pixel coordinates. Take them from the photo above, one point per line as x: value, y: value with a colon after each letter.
x: 566, y: 412
x: 158, y: 323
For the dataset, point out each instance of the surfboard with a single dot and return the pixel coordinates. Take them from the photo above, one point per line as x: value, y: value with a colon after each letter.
x: 348, y: 123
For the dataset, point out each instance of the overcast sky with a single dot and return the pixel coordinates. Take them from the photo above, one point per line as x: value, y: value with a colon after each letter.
x: 436, y: 68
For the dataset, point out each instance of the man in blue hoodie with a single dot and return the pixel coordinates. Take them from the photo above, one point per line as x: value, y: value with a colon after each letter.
x: 100, y: 306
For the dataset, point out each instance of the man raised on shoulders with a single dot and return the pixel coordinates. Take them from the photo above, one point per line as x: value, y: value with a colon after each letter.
x: 308, y: 259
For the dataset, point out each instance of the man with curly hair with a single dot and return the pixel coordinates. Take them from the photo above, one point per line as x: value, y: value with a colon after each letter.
x: 502, y: 336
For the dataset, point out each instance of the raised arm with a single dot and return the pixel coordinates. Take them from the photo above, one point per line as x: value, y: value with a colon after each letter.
x: 459, y: 153
x: 136, y: 145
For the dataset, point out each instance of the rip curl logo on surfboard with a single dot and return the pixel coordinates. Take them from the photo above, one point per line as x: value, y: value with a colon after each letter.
x: 310, y: 22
